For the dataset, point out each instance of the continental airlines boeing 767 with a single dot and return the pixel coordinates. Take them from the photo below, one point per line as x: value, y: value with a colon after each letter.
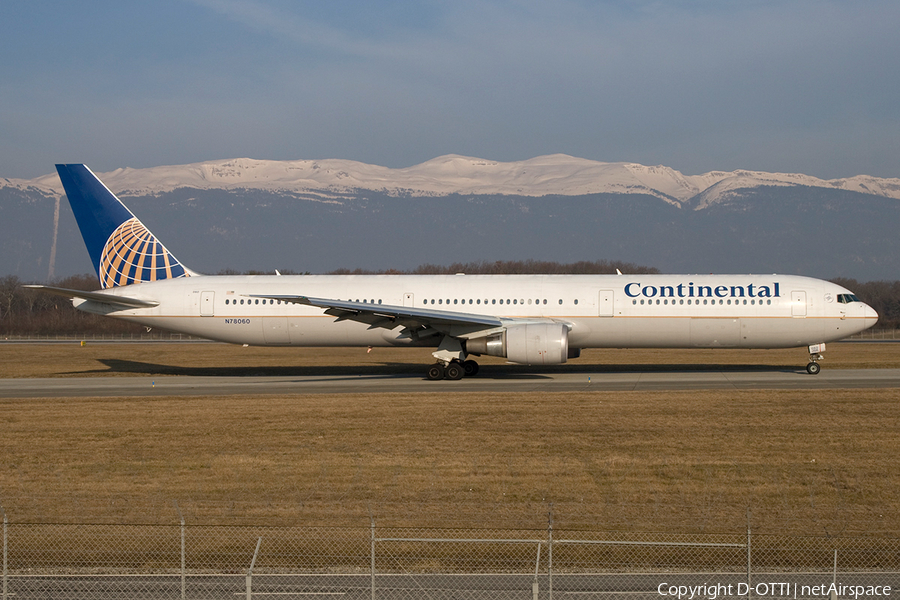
x: 529, y: 319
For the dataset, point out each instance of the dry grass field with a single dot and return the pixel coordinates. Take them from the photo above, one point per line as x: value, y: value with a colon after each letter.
x: 810, y: 462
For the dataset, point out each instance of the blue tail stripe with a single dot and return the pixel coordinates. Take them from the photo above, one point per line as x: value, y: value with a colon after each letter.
x: 96, y: 209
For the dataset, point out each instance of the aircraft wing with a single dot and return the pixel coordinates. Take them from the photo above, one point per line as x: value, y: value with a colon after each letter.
x: 423, y: 321
x: 120, y: 302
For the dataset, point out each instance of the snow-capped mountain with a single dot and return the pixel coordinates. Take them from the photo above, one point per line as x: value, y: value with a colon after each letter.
x: 319, y: 215
x: 556, y: 174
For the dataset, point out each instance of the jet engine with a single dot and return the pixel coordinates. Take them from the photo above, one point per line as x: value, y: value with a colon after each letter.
x: 529, y: 344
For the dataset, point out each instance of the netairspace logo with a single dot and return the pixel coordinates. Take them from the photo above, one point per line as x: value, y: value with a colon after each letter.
x: 771, y: 590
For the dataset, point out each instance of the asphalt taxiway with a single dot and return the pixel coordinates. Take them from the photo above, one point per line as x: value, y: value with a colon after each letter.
x: 369, y: 383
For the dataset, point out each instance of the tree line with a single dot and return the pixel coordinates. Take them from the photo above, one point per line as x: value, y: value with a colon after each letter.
x: 25, y: 312
x: 515, y: 267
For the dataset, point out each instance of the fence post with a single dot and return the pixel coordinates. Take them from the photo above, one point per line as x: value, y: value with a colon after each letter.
x: 535, y: 587
x: 249, y: 580
x: 749, y: 569
x: 550, y: 551
x: 5, y: 589
x: 834, y: 577
x: 372, y: 555
x: 181, y: 516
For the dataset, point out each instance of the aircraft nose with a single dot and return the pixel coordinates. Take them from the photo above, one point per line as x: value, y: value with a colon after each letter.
x: 871, y: 317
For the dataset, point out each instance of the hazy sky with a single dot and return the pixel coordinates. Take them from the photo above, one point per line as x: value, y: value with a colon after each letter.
x: 698, y: 85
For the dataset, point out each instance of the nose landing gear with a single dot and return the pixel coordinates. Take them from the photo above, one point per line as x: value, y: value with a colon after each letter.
x: 815, y: 355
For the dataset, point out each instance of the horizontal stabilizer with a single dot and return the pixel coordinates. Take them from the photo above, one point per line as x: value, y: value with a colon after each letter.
x: 101, y: 297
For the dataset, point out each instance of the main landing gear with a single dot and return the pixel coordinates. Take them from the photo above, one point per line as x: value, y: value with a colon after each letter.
x: 815, y: 355
x: 453, y: 370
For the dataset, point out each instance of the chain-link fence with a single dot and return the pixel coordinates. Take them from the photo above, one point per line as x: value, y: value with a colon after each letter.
x: 180, y: 561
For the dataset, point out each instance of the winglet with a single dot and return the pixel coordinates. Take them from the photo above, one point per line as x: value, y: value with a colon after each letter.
x: 122, y: 249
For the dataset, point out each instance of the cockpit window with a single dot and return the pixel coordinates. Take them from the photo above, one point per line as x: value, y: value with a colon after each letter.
x: 847, y: 298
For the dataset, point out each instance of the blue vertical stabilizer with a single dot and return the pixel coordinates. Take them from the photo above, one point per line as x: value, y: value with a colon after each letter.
x: 122, y: 249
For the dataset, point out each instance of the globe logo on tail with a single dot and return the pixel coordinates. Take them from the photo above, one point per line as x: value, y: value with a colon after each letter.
x: 133, y: 255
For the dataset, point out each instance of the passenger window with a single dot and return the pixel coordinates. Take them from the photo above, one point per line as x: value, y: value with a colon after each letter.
x: 576, y: 300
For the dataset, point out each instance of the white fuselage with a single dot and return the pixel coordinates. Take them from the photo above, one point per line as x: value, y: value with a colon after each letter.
x: 663, y: 311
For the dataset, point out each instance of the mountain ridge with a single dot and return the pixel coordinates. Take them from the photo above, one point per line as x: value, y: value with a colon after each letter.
x: 549, y: 175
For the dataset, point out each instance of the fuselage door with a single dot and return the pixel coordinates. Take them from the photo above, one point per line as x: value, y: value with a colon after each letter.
x: 207, y: 304
x: 605, y: 303
x: 798, y: 304
x: 276, y: 331
x: 409, y: 299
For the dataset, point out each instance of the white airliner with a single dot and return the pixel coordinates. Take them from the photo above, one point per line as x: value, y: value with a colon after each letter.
x: 529, y: 319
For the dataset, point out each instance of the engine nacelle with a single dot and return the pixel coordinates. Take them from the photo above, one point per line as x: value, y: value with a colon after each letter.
x: 528, y: 344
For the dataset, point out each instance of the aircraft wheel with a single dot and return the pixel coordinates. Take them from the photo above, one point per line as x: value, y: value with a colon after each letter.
x: 813, y: 368
x: 435, y: 372
x: 471, y: 368
x: 454, y: 371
